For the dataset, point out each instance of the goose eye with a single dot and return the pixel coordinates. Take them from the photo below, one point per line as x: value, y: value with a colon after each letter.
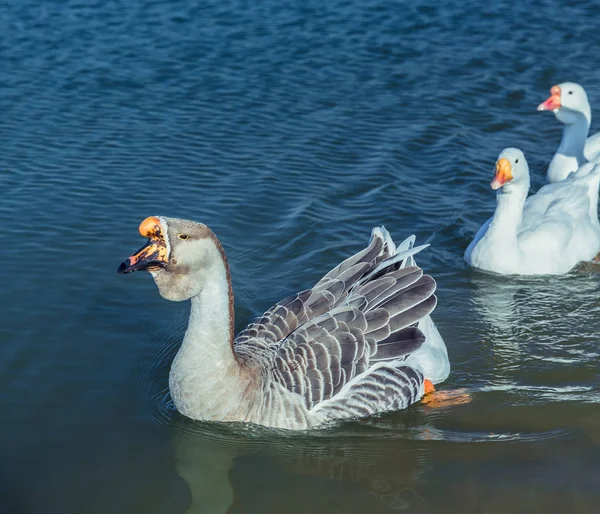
x: 570, y: 92
x: 183, y: 236
x: 516, y: 161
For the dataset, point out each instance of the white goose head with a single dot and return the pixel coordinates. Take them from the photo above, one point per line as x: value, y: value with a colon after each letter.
x: 512, y: 172
x: 179, y: 254
x: 569, y: 102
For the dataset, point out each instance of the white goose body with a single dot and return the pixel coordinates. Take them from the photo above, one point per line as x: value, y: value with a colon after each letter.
x: 548, y: 233
x: 569, y: 103
x: 359, y: 343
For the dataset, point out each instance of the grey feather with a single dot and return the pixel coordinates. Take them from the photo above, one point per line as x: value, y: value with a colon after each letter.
x: 340, y: 345
x: 376, y: 319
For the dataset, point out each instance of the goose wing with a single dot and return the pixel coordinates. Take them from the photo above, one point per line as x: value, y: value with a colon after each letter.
x: 362, y: 315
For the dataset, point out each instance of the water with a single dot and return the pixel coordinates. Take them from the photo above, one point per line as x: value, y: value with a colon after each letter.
x: 290, y: 128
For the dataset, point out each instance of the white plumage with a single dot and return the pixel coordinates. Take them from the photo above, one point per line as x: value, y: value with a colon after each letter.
x: 569, y: 103
x: 548, y: 233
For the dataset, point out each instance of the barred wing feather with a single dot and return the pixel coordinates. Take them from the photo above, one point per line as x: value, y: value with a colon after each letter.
x: 340, y: 345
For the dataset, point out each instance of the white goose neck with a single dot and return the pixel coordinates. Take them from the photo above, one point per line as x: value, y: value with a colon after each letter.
x: 574, y: 136
x: 205, y: 378
x: 508, y: 214
x: 569, y: 156
x: 209, y: 327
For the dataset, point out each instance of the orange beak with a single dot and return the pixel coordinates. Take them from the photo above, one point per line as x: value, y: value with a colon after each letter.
x: 154, y: 255
x: 553, y: 102
x: 503, y: 174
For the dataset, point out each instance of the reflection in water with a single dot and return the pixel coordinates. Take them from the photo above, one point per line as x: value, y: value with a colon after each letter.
x: 378, y: 466
x: 494, y: 302
x: 208, y: 456
x: 541, y: 334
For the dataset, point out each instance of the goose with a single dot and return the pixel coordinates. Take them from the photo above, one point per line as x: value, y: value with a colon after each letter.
x: 358, y: 343
x: 570, y: 105
x: 548, y: 233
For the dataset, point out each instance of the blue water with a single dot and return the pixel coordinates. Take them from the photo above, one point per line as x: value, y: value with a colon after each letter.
x: 290, y: 128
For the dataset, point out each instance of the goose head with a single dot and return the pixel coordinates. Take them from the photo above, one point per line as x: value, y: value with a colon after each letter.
x: 179, y: 254
x: 512, y: 171
x: 568, y: 101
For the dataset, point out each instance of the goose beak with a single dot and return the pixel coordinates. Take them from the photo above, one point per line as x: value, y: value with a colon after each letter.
x: 553, y: 102
x: 154, y: 255
x: 503, y: 174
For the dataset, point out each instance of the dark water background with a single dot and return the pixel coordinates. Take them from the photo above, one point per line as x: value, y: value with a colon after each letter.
x: 291, y: 128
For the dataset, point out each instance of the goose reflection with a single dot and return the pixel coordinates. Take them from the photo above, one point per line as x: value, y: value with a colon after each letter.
x: 375, y: 464
x: 399, y: 462
x: 538, y: 332
x: 497, y: 303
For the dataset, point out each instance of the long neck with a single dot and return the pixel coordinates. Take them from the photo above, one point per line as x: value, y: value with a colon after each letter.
x: 507, y: 218
x: 209, y: 334
x: 206, y: 380
x: 574, y: 136
x: 569, y: 156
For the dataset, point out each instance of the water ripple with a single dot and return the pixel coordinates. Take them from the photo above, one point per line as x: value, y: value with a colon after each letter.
x: 291, y: 129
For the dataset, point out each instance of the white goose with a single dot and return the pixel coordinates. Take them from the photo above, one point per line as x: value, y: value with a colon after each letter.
x: 358, y: 343
x: 570, y: 105
x: 548, y: 233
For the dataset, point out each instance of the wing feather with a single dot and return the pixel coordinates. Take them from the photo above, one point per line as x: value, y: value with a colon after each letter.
x: 349, y: 332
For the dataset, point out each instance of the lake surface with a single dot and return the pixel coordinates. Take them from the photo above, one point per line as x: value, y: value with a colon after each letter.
x: 290, y: 128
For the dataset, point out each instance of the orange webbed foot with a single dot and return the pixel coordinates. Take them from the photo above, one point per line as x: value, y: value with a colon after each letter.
x: 434, y: 399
